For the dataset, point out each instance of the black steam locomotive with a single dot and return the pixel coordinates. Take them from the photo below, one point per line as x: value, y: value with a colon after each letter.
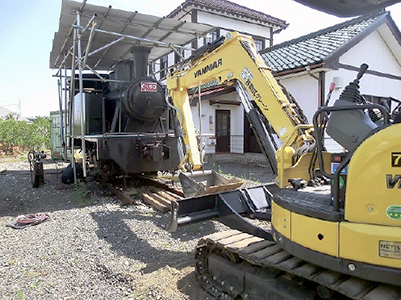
x: 129, y: 127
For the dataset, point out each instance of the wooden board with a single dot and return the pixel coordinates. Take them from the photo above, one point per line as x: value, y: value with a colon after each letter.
x: 159, y: 199
x: 149, y: 198
x: 127, y: 200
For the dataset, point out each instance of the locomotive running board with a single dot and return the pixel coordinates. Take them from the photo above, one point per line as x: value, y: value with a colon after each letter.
x: 230, y: 208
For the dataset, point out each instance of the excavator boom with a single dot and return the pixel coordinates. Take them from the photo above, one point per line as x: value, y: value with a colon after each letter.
x: 233, y: 60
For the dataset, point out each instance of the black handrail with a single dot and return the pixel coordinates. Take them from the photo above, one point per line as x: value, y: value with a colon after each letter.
x: 336, y: 176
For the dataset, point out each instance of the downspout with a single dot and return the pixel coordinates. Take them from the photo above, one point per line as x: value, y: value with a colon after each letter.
x: 321, y: 82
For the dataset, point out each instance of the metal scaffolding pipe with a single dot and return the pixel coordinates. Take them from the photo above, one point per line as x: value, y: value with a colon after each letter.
x: 173, y: 47
x: 65, y: 142
x: 82, y: 6
x: 81, y: 94
x: 71, y: 105
x: 167, y: 45
x: 106, y: 46
x: 102, y: 79
x: 65, y: 43
x: 63, y: 62
x: 88, y: 24
x: 88, y: 46
x: 60, y: 103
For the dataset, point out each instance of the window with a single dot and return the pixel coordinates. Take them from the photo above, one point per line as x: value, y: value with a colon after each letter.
x: 163, y: 67
x: 179, y: 57
x: 259, y: 44
x: 152, y: 68
x: 211, y: 37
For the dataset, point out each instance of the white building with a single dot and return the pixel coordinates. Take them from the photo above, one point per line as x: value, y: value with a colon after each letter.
x: 306, y: 66
x: 225, y: 16
x: 221, y: 118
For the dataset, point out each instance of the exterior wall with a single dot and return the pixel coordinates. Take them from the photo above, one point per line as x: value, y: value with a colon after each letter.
x: 235, y: 25
x: 201, y: 119
x: 170, y: 59
x: 381, y: 60
x: 208, y: 129
x: 156, y: 69
x: 305, y: 89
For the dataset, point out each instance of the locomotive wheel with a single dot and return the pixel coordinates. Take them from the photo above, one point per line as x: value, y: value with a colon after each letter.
x: 35, y: 176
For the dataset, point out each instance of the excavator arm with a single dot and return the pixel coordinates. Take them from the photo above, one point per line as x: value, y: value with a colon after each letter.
x: 233, y: 60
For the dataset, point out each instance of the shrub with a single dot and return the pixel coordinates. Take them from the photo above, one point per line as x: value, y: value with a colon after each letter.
x: 23, y: 136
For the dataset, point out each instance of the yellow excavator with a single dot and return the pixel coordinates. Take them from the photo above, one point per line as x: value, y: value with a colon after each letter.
x: 289, y: 241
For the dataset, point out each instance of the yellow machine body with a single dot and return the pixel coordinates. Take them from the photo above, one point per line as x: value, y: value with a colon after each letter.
x: 374, y: 184
x: 371, y: 229
x: 349, y: 237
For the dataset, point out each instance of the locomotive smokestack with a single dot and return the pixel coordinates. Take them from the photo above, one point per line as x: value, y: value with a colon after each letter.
x: 140, y: 56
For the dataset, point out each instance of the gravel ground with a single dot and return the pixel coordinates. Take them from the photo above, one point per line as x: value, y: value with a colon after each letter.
x: 92, y: 247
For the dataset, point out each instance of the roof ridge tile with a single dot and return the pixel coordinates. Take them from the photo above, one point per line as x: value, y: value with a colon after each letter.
x: 328, y: 30
x: 234, y: 8
x: 314, y: 47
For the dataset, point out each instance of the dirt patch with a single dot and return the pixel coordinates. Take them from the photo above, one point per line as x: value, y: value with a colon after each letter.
x: 93, y: 248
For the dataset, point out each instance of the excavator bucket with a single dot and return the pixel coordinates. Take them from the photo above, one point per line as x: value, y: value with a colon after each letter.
x: 200, y: 183
x: 228, y: 207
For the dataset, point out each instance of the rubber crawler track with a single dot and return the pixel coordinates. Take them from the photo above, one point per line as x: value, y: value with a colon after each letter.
x: 266, y: 256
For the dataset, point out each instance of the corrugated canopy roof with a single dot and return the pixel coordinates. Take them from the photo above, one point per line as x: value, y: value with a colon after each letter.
x: 132, y: 28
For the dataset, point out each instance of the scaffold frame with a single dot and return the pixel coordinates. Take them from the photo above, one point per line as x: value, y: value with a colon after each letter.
x: 93, y: 39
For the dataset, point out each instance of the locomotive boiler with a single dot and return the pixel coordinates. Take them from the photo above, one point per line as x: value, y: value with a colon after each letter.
x: 128, y: 125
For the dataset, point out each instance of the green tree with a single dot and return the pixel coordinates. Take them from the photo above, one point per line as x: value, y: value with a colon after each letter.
x: 41, y: 133
x: 23, y: 135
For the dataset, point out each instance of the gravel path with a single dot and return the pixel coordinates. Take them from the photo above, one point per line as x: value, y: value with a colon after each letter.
x: 92, y: 248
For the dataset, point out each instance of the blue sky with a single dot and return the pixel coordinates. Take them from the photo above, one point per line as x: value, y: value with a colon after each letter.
x: 28, y: 27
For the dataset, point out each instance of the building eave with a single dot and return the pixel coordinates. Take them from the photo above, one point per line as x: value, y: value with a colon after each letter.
x: 317, y: 67
x: 188, y: 5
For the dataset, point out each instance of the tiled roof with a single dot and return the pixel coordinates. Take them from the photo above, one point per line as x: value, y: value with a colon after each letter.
x: 317, y: 47
x: 5, y: 112
x: 232, y: 8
